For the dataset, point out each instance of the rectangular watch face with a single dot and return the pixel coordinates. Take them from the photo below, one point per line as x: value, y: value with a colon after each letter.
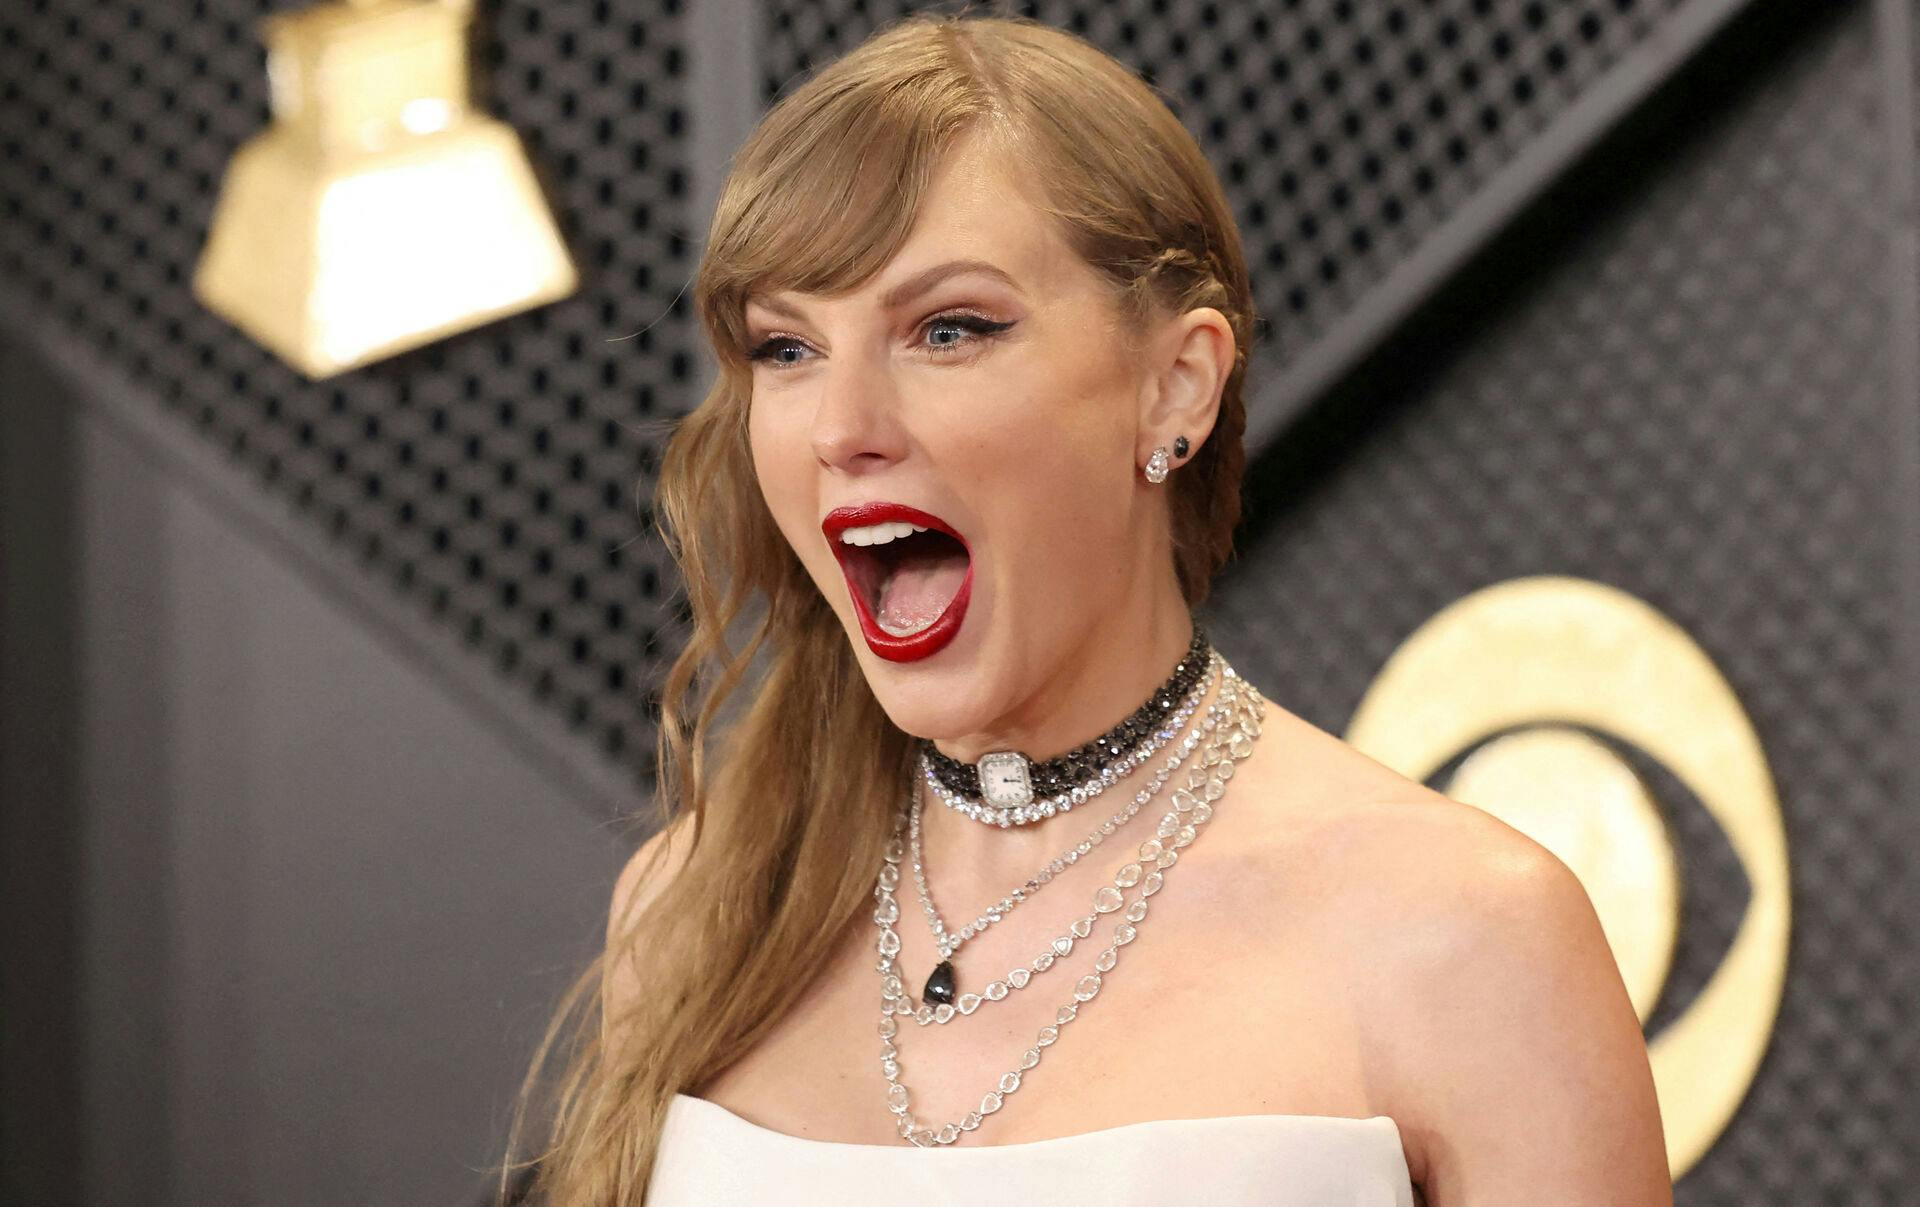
x: 1003, y: 779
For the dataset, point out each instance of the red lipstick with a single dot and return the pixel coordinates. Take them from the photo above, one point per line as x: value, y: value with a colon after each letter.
x: 928, y: 641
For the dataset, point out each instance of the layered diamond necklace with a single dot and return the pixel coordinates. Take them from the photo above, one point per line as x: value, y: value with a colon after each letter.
x: 1006, y: 788
x: 941, y: 986
x: 1228, y: 732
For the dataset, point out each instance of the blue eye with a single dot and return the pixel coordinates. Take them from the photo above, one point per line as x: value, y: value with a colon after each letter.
x: 771, y: 347
x: 975, y: 326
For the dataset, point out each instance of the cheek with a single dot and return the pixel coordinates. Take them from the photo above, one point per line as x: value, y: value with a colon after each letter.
x: 1063, y: 417
x: 1058, y: 478
x: 782, y: 463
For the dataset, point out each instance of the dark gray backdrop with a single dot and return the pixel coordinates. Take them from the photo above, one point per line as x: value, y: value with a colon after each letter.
x: 321, y: 705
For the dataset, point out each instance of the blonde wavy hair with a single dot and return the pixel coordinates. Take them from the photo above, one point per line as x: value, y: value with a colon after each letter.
x: 786, y: 802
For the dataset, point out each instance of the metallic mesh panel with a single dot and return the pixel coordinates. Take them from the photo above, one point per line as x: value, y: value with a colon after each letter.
x: 1674, y: 378
x: 1344, y: 132
x: 498, y: 478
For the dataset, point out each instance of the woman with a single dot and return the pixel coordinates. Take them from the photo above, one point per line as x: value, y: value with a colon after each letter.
x: 973, y: 457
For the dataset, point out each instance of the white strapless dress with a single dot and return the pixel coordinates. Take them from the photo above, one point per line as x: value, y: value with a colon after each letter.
x: 710, y: 1156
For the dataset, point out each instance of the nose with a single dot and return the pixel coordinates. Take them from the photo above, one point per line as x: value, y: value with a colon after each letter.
x: 856, y: 425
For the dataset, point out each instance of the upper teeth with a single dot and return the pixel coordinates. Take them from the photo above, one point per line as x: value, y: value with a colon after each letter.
x: 879, y: 534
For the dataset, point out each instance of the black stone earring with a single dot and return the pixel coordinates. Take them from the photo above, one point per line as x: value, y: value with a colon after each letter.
x: 1180, y: 446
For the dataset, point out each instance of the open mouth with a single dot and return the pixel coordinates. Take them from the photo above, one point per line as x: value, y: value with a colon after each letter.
x: 909, y: 575
x: 908, y: 581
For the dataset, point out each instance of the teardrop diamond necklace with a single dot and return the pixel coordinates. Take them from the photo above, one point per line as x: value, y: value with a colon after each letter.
x: 1231, y: 726
x: 942, y: 984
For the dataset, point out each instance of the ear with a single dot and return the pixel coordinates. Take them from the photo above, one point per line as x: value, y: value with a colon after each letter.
x: 1191, y: 359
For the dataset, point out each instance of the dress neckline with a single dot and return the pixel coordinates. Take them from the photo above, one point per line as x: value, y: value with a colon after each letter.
x: 1369, y: 1123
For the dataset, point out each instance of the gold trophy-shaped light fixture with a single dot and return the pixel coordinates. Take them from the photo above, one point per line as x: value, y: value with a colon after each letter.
x: 378, y: 212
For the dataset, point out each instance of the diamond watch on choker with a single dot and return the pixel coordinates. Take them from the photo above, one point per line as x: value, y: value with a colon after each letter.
x: 1006, y: 788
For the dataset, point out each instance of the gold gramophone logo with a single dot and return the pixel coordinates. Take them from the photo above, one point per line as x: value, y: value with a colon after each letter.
x: 1522, y: 673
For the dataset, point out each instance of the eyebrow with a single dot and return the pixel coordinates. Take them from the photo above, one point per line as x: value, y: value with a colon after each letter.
x: 909, y: 289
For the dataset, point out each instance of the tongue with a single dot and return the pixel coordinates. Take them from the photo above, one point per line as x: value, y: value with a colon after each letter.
x: 918, y: 590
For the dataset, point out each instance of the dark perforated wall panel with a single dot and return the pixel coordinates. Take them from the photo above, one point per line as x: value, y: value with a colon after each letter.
x: 496, y: 480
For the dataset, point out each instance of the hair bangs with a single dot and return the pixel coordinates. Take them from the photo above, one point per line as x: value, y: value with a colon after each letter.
x: 826, y: 193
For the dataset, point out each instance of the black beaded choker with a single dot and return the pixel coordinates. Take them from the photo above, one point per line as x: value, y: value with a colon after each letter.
x: 1083, y: 764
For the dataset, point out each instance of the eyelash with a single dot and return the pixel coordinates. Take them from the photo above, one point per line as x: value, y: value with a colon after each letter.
x: 980, y: 327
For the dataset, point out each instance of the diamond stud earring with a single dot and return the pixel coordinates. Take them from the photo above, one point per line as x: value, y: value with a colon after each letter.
x: 1157, y: 466
x: 1180, y: 446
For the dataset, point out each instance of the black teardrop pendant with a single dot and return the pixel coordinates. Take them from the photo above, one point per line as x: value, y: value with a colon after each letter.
x: 939, y: 988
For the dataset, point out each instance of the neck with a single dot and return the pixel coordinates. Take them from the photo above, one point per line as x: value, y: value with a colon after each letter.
x: 1081, y: 702
x: 1097, y: 683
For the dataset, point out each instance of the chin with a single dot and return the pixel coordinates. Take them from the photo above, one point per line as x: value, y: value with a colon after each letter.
x: 945, y: 695
x: 927, y: 712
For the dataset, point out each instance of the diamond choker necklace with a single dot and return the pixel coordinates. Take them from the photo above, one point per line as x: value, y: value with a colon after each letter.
x: 1006, y: 788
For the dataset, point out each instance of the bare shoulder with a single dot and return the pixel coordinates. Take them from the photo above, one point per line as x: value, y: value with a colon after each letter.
x: 646, y: 874
x: 1499, y: 1034
x: 1379, y: 841
x: 647, y: 871
x: 1369, y: 842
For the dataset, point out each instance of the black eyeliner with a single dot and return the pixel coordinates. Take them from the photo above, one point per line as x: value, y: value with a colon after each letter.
x: 977, y: 324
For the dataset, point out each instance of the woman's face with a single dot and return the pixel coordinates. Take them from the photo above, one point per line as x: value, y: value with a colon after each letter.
x: 980, y: 383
